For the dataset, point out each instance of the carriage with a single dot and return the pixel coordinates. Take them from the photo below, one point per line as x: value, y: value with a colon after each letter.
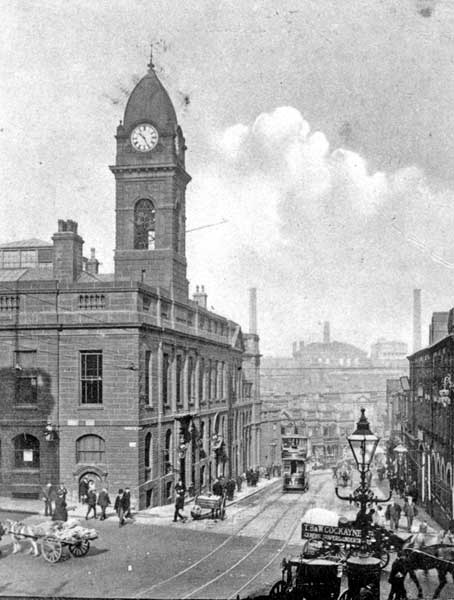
x: 311, y: 579
x: 58, y: 540
x: 209, y: 506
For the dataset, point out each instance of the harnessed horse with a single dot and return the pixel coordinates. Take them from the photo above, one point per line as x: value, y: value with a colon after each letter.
x: 436, y: 556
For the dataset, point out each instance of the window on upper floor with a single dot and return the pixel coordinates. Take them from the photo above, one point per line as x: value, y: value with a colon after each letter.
x: 148, y: 378
x: 165, y: 379
x: 26, y: 377
x: 91, y: 377
x: 179, y: 379
x: 90, y: 449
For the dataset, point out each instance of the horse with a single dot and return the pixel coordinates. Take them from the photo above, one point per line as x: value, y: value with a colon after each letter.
x: 22, y: 535
x: 436, y: 556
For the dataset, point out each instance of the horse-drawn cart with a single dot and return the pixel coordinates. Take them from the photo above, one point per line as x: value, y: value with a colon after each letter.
x: 311, y: 579
x: 58, y: 540
x: 209, y: 506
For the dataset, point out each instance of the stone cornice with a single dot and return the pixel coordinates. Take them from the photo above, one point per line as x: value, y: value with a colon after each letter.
x: 153, y: 170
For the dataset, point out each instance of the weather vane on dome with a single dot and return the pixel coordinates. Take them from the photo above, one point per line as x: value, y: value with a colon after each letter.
x: 151, y: 64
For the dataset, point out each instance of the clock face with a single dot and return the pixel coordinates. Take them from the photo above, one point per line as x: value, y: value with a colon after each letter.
x: 144, y: 137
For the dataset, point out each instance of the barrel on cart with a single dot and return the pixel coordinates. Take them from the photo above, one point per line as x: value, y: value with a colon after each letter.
x: 209, y: 506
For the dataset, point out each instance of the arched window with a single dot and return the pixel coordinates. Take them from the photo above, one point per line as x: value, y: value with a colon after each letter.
x: 168, y: 452
x: 144, y: 225
x: 26, y: 451
x: 148, y: 457
x: 90, y: 449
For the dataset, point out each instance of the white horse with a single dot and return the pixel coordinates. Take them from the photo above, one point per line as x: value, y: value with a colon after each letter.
x: 22, y: 535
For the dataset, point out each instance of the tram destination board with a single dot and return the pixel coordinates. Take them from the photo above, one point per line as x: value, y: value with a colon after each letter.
x: 330, y: 533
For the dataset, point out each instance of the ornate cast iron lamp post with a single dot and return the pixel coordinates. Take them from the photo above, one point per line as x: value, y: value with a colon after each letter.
x: 364, y: 569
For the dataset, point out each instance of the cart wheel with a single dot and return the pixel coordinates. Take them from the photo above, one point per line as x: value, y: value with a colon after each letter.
x: 278, y: 590
x: 383, y: 555
x: 51, y: 549
x: 80, y: 548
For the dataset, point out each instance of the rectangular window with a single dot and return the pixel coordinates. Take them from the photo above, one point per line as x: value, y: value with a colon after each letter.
x: 28, y: 258
x: 179, y: 379
x: 91, y: 377
x: 148, y: 378
x: 11, y: 259
x: 201, y: 379
x: 26, y: 377
x: 191, y: 380
x: 165, y: 378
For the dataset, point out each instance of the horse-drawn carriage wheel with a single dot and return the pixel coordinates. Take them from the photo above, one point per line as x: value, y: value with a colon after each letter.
x: 51, y: 549
x: 383, y: 555
x: 278, y: 590
x: 80, y: 548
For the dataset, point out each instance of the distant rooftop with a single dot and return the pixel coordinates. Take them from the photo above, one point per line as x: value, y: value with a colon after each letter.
x: 32, y: 242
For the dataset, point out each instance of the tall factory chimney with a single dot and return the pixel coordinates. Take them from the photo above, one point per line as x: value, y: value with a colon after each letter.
x: 253, y: 310
x: 416, y: 320
x: 326, y: 334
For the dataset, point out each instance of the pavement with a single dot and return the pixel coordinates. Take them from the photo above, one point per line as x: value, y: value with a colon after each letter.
x: 78, y: 510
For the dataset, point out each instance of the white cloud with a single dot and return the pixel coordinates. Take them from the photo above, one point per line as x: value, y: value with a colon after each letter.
x: 316, y: 232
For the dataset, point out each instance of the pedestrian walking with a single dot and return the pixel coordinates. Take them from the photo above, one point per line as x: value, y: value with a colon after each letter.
x: 49, y: 496
x: 180, y: 488
x: 397, y: 577
x: 119, y: 507
x: 91, y: 503
x: 127, y: 503
x: 392, y: 515
x: 230, y: 489
x: 410, y: 511
x: 83, y: 489
x: 103, y: 503
x: 60, y: 512
x: 239, y: 483
x: 217, y: 487
x: 179, y: 506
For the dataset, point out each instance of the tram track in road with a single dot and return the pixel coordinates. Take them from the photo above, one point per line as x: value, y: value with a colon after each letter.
x: 271, y: 500
x: 191, y: 581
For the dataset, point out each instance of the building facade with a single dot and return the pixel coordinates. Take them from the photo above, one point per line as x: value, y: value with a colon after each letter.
x: 123, y: 377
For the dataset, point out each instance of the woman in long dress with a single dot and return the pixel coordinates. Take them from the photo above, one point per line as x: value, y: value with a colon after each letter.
x: 60, y: 512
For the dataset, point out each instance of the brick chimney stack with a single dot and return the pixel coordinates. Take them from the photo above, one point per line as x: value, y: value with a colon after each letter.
x: 67, y: 255
x: 93, y: 263
x: 200, y: 296
x: 326, y: 333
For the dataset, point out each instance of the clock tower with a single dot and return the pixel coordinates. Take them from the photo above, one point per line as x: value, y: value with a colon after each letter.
x: 151, y: 184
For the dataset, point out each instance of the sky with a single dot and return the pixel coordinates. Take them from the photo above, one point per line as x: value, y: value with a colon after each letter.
x: 320, y: 141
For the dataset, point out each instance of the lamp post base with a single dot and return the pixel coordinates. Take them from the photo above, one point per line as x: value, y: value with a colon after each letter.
x: 363, y: 571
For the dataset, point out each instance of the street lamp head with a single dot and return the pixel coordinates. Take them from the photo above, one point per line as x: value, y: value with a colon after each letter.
x: 363, y: 443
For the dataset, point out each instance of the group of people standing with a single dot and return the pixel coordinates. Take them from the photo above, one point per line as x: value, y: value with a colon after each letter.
x: 55, y: 502
x: 90, y: 497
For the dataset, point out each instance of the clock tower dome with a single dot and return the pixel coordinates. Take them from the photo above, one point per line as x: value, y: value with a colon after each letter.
x: 151, y: 181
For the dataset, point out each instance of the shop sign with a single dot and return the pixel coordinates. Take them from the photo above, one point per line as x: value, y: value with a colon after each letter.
x: 328, y: 533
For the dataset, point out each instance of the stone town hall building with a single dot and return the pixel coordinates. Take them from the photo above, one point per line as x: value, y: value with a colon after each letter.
x: 123, y: 377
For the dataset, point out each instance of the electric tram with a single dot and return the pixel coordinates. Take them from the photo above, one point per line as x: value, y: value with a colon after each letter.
x: 294, y: 455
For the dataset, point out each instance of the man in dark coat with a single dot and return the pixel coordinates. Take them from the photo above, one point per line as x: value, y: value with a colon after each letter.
x: 91, y: 503
x: 83, y: 489
x: 230, y: 488
x: 119, y: 507
x: 49, y: 497
x: 180, y: 488
x: 396, y: 578
x: 239, y: 482
x: 127, y: 503
x: 217, y: 488
x: 179, y: 505
x: 103, y: 502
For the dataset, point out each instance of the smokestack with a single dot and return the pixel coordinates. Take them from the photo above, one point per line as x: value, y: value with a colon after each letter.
x: 326, y: 335
x: 200, y: 296
x: 416, y: 320
x: 253, y: 310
